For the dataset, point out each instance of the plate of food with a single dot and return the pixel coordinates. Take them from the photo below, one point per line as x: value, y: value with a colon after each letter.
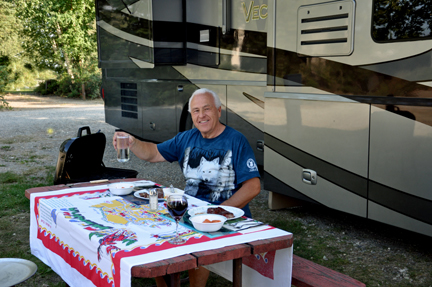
x: 144, y: 194
x: 229, y: 212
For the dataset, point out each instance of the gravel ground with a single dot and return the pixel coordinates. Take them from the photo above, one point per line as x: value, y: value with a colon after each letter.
x: 374, y: 253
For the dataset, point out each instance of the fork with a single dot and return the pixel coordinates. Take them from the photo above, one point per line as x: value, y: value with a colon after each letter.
x: 241, y: 224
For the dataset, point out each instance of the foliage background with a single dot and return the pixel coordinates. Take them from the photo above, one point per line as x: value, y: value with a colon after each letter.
x: 49, y: 45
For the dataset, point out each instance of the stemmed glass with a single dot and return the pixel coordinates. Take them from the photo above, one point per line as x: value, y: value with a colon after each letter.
x: 177, y: 205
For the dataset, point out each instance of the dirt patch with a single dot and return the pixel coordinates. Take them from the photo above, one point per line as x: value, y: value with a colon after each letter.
x: 374, y: 253
x: 23, y: 102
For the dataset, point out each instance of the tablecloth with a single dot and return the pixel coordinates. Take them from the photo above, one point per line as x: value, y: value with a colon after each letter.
x: 92, y: 238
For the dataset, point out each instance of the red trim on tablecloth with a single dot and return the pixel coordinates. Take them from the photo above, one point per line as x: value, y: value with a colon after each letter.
x: 52, y: 243
x: 116, y: 258
x: 92, y: 273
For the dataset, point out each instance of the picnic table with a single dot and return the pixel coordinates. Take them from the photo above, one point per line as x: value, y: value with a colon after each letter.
x: 229, y: 255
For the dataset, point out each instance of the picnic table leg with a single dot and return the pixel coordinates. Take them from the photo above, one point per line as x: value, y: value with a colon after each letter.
x: 237, y: 272
x: 172, y: 280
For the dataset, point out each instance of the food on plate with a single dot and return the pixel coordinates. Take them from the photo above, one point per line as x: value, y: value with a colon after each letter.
x: 159, y: 191
x: 211, y: 221
x: 220, y: 211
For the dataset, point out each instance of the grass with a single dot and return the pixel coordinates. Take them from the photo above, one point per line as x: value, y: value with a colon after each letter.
x: 16, y: 139
x: 14, y: 223
x: 6, y: 141
x: 11, y: 191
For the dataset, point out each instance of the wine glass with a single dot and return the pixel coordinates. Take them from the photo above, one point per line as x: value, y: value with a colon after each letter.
x: 177, y: 205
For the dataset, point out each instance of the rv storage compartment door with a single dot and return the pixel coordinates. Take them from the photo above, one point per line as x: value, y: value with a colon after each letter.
x: 400, y: 167
x: 327, y: 134
x: 140, y: 34
x: 159, y: 110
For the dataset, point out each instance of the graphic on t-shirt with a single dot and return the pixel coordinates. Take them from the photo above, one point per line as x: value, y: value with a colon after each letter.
x: 209, y: 172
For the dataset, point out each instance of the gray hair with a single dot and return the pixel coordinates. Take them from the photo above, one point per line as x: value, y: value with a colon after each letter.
x: 217, y: 101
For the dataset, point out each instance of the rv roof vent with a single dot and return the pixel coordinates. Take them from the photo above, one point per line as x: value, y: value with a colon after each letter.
x: 326, y: 29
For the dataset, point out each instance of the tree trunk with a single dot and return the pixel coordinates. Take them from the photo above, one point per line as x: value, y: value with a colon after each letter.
x: 83, y: 93
x: 66, y: 56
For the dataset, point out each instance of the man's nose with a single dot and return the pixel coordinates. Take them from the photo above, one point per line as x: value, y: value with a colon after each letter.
x: 201, y: 113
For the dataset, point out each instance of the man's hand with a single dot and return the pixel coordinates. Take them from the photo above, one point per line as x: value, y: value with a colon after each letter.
x: 143, y: 150
x: 131, y: 138
x: 250, y: 188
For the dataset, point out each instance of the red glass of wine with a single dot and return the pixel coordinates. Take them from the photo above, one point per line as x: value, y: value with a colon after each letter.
x: 177, y: 205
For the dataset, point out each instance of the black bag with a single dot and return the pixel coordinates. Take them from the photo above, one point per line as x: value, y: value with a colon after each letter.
x: 80, y: 160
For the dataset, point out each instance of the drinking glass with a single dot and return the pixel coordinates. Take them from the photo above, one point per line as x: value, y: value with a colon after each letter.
x: 177, y: 206
x: 123, y: 148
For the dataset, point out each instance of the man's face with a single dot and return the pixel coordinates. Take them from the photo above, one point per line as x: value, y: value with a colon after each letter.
x: 205, y: 115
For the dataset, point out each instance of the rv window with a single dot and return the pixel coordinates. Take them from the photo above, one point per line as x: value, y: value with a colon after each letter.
x: 401, y: 20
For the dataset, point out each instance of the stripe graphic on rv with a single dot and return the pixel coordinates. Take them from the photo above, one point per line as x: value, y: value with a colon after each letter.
x: 418, y: 208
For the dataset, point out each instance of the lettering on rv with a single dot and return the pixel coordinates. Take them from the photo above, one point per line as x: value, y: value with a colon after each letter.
x: 255, y: 12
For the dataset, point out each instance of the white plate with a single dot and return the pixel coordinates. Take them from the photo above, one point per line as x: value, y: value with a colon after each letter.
x: 167, y: 191
x: 144, y: 183
x: 139, y: 185
x: 15, y: 270
x: 136, y: 194
x: 203, y: 210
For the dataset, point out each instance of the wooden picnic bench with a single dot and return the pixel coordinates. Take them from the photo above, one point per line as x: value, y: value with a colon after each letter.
x: 306, y: 273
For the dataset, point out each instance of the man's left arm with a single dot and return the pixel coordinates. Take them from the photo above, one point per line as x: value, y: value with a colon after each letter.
x: 250, y: 188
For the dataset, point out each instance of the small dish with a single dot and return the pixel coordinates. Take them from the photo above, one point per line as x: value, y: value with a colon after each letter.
x: 121, y: 188
x: 198, y: 222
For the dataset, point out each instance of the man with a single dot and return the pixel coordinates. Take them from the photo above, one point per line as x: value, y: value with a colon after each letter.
x: 217, y: 161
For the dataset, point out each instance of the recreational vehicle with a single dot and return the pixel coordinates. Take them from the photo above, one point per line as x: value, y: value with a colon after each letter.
x: 335, y: 97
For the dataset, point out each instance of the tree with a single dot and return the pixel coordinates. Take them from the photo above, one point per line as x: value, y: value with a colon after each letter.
x: 60, y: 34
x: 9, y: 32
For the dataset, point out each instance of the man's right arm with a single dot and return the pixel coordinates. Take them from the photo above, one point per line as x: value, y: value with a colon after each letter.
x: 144, y: 150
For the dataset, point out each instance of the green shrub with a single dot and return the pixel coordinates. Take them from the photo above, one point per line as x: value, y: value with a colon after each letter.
x: 93, y: 85
x: 6, y: 74
x: 48, y: 87
x: 66, y: 87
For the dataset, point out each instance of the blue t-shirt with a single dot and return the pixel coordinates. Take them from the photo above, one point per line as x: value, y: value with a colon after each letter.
x: 213, y: 168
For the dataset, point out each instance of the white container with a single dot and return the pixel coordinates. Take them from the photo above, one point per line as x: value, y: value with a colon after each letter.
x: 121, y: 188
x: 197, y: 222
x: 153, y: 199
